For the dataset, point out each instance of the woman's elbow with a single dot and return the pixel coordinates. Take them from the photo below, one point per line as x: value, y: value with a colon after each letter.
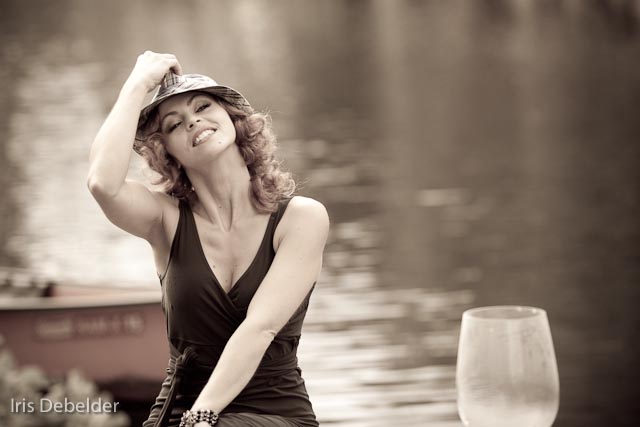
x: 99, y: 188
x: 262, y: 332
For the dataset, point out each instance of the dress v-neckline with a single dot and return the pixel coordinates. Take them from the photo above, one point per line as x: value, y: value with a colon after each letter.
x: 206, y: 261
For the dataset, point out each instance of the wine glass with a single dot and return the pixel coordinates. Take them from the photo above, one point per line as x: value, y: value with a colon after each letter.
x: 506, y: 373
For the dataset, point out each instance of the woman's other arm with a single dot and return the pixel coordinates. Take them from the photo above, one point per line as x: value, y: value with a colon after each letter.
x: 129, y: 205
x: 294, y: 270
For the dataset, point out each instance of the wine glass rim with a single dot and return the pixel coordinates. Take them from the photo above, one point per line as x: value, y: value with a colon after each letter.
x: 522, y: 312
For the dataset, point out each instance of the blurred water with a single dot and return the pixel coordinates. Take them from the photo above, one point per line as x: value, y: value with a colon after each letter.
x: 469, y: 153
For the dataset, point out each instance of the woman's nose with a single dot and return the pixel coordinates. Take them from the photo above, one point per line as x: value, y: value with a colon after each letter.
x: 193, y: 122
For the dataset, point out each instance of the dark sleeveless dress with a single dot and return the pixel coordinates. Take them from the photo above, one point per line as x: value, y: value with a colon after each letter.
x: 201, y: 318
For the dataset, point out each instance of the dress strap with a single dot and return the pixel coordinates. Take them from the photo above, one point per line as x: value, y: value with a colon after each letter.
x: 189, y: 239
x: 282, y: 207
x: 175, y: 242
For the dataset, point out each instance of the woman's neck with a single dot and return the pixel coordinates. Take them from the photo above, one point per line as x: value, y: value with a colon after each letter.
x: 224, y: 190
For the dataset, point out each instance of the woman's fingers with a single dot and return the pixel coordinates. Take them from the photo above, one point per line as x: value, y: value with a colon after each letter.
x: 171, y: 61
x: 151, y: 67
x: 174, y: 64
x: 177, y: 68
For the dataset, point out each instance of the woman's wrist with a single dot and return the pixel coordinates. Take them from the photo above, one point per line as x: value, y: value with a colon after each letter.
x: 134, y: 88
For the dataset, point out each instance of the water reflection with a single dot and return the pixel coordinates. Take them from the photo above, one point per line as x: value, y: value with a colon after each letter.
x: 366, y: 364
x: 57, y: 108
x: 468, y: 152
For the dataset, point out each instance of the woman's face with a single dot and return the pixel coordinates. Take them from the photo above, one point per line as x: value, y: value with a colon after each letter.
x: 195, y: 126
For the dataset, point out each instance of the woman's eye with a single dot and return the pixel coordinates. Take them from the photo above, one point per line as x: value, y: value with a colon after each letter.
x: 173, y: 127
x: 202, y: 107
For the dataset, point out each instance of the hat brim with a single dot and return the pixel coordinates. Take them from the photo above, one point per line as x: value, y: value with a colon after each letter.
x: 230, y: 95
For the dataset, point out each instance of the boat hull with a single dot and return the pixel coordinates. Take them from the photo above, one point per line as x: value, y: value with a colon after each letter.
x: 112, y: 335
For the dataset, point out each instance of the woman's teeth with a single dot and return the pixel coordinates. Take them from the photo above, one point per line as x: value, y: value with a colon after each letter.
x: 203, y: 136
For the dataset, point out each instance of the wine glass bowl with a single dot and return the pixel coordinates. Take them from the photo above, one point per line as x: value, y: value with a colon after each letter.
x: 506, y: 372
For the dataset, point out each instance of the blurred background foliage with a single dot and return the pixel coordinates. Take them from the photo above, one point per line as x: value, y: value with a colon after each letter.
x: 29, y: 384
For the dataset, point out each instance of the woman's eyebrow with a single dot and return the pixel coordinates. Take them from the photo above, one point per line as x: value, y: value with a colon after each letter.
x: 189, y: 101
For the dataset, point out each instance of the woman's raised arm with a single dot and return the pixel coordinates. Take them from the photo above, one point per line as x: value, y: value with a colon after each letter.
x: 129, y: 205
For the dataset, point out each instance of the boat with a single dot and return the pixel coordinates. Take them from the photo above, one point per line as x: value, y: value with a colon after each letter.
x: 114, y: 335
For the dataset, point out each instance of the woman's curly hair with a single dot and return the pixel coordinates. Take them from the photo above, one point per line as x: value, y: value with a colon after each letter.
x: 257, y: 143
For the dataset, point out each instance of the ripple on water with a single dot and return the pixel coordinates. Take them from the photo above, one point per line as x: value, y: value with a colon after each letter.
x: 362, y: 366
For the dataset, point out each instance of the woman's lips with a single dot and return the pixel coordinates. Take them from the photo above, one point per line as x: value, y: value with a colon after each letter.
x: 202, y: 136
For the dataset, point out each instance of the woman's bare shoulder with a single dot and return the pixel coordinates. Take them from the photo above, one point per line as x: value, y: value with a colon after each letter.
x: 304, y: 218
x: 165, y: 199
x: 305, y: 208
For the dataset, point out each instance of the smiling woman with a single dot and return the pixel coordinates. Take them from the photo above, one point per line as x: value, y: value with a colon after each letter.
x: 237, y: 256
x: 159, y: 123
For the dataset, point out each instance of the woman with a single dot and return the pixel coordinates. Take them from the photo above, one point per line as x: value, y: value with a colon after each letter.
x: 237, y: 257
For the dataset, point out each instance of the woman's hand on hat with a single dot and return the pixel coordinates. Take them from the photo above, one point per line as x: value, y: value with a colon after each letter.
x: 150, y: 69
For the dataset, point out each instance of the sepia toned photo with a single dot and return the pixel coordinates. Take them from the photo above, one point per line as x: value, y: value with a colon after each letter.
x: 345, y: 213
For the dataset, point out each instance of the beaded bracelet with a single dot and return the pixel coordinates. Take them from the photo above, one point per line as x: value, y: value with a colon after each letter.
x: 189, y: 418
